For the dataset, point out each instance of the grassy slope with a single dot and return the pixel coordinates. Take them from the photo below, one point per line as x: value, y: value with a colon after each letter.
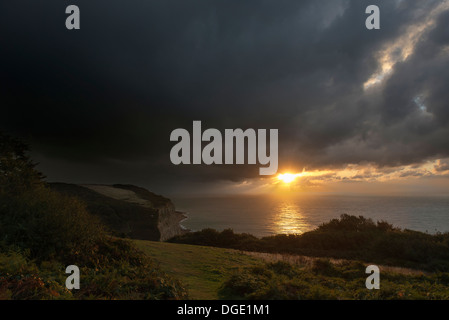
x: 204, y: 270
x: 201, y: 269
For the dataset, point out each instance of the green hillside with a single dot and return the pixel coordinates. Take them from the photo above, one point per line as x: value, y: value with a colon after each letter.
x: 219, y: 273
x: 201, y: 269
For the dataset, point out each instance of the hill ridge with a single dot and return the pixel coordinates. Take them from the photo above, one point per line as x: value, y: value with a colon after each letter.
x: 128, y: 210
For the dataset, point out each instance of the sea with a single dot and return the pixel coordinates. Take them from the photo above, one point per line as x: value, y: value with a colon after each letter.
x: 264, y: 215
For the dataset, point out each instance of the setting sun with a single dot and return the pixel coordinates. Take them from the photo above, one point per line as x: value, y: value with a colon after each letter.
x: 288, y: 177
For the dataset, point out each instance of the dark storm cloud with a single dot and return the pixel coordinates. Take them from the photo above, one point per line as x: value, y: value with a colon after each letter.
x: 101, y: 102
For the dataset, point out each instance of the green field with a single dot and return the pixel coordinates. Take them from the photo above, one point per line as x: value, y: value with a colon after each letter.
x: 219, y: 273
x: 202, y: 269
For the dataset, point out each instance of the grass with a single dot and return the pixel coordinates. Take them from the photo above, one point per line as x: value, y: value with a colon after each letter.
x: 201, y: 269
x: 307, y: 261
x: 211, y: 273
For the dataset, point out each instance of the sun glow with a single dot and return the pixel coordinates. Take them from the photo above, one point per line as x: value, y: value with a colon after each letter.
x: 288, y: 177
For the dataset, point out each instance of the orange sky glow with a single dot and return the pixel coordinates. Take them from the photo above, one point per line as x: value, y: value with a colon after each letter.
x: 431, y: 177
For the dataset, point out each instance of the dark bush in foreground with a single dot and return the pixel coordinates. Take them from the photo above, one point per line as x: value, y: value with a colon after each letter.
x: 115, y: 274
x: 48, y: 225
x: 42, y: 232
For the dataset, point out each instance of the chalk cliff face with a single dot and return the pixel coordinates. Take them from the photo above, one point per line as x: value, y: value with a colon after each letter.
x: 129, y: 210
x: 169, y: 222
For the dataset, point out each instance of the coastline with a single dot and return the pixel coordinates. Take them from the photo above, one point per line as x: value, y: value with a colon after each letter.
x: 182, y: 216
x: 264, y: 216
x: 169, y: 223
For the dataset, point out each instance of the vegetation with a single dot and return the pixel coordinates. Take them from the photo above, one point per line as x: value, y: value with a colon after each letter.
x: 219, y: 273
x: 325, y: 280
x: 201, y: 269
x: 122, y: 218
x: 42, y: 232
x: 155, y: 199
x: 115, y: 271
x: 349, y: 237
x: 17, y: 171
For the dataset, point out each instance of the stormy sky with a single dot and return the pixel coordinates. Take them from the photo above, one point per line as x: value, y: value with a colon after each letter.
x: 97, y: 105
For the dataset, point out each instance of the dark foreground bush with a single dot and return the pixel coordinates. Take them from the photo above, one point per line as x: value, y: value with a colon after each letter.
x: 117, y: 271
x: 42, y: 232
x: 48, y: 225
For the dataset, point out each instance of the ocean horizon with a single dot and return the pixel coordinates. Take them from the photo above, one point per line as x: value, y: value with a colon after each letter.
x: 264, y: 215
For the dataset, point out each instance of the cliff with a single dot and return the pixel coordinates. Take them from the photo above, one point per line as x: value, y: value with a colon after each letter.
x: 128, y: 210
x: 169, y: 222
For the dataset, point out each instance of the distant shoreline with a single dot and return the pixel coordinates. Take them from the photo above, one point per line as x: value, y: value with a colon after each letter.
x: 182, y: 216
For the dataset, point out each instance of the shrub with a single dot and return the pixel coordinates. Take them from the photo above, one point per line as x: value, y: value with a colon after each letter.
x: 284, y: 268
x: 17, y: 171
x: 325, y: 280
x: 48, y: 225
x: 323, y: 266
x: 116, y: 271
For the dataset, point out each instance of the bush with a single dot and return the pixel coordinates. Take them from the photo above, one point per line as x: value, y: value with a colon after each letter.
x: 116, y: 271
x: 48, y: 225
x: 43, y: 231
x: 284, y: 268
x: 17, y: 171
x: 325, y: 280
x: 323, y: 266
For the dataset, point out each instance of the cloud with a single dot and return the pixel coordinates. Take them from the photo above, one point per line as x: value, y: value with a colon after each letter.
x: 101, y: 102
x: 442, y: 165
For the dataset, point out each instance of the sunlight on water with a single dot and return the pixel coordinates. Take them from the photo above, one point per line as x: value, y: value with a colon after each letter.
x: 287, y: 214
x: 288, y: 219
